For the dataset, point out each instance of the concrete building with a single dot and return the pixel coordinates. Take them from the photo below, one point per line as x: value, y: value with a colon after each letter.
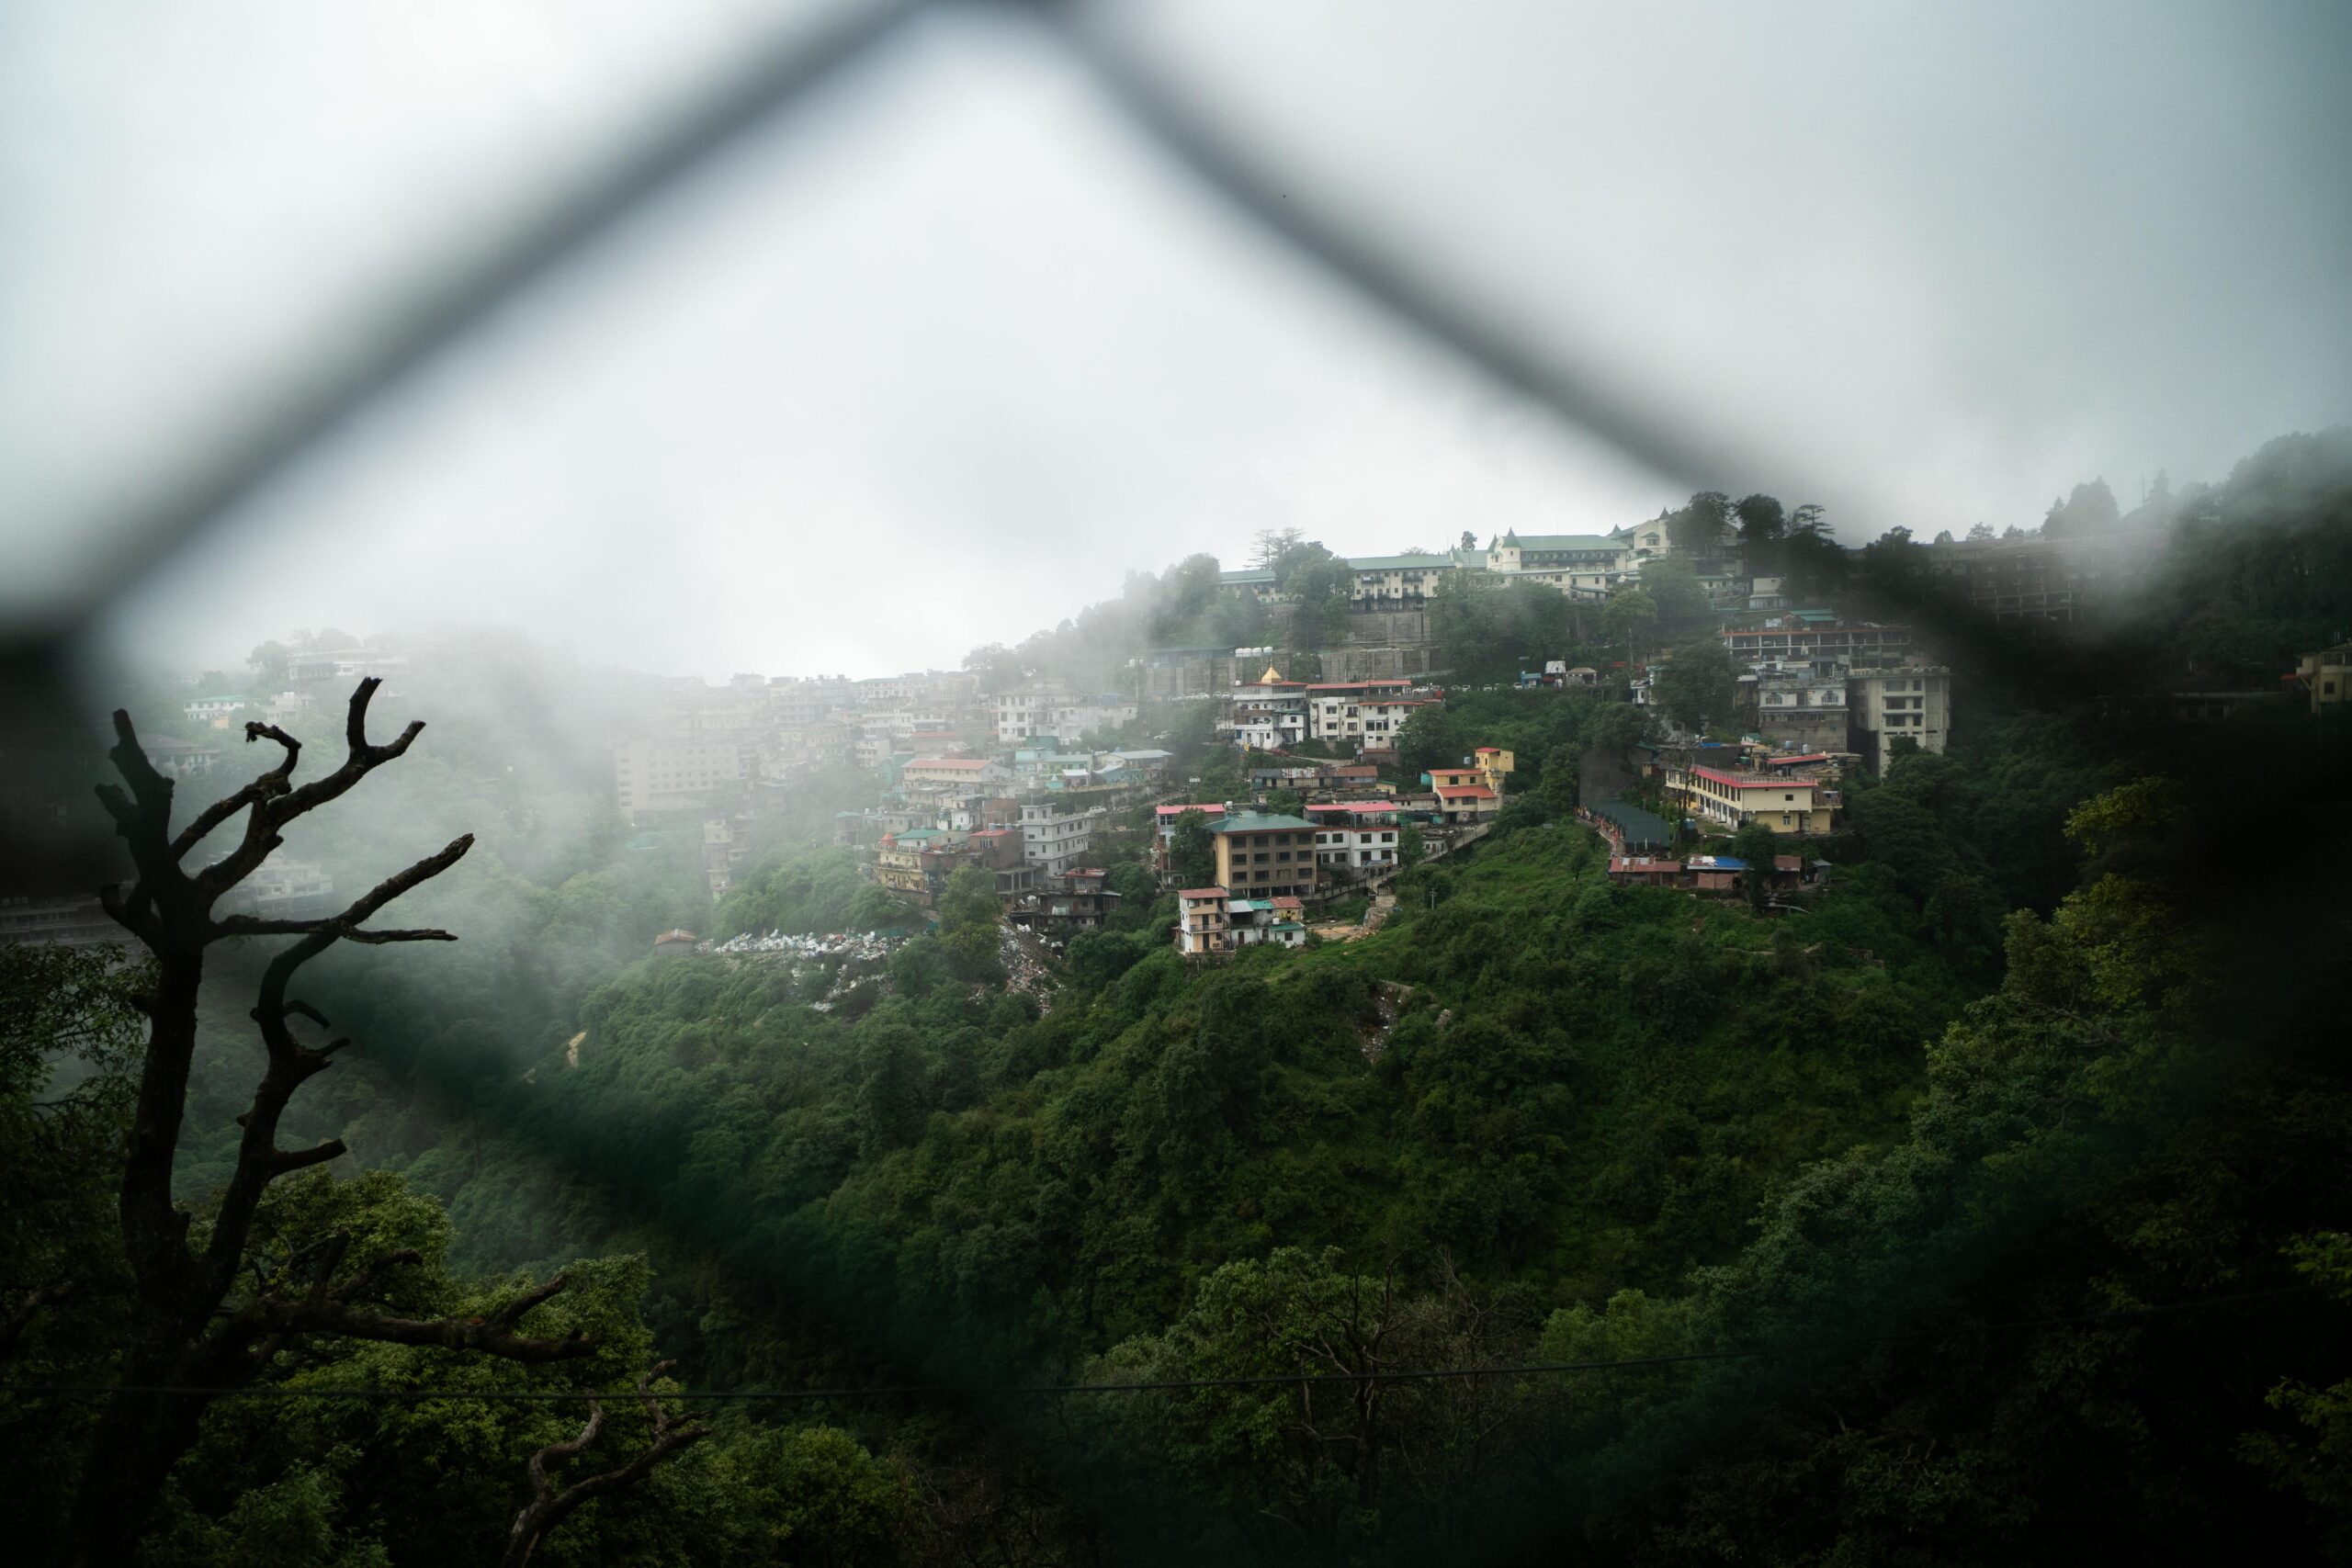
x: 1736, y: 799
x: 1055, y: 842
x: 71, y: 920
x: 1466, y: 804
x: 952, y: 775
x: 1261, y: 855
x: 1911, y: 702
x: 659, y: 775
x: 1494, y: 765
x: 1278, y: 921
x: 2324, y: 678
x: 1251, y: 582
x: 1797, y: 705
x: 1268, y: 714
x: 2060, y: 582
x: 1802, y: 638
x: 1050, y: 713
x: 1202, y: 926
x: 1337, y: 711
x: 181, y: 759
x: 1396, y: 582
x: 215, y: 711
x: 283, y: 889
x: 1353, y: 837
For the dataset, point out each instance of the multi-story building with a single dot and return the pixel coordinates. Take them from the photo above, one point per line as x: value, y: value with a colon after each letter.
x: 1251, y: 582
x: 1801, y: 639
x: 1261, y: 854
x: 723, y: 849
x: 952, y: 775
x: 1281, y: 921
x: 283, y: 889
x: 2325, y: 678
x: 1911, y: 702
x: 658, y: 775
x: 1396, y: 582
x: 69, y: 920
x: 1466, y: 804
x: 215, y: 711
x: 181, y: 759
x: 1076, y: 901
x: 1353, y: 837
x: 1735, y: 799
x: 1494, y: 765
x: 343, y: 664
x: 1268, y: 714
x: 1048, y: 712
x: 1056, y: 840
x: 1202, y: 926
x: 918, y: 861
x: 1335, y: 709
x: 1798, y: 705
x: 1028, y: 713
x: 2060, y: 580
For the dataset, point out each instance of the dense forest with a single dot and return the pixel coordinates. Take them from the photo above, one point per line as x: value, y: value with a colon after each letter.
x: 1992, y: 1206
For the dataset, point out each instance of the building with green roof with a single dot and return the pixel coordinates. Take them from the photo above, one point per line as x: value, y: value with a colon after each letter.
x: 1265, y: 854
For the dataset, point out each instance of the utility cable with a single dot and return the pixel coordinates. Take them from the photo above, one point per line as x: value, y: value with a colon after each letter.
x: 1168, y: 1386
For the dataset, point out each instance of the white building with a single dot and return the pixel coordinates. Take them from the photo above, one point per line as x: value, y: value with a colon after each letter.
x: 284, y: 890
x: 953, y: 775
x: 1396, y: 582
x: 215, y: 711
x: 1055, y: 841
x: 1049, y: 712
x: 182, y: 759
x: 1336, y: 710
x: 1356, y: 835
x: 1269, y: 714
x: 1909, y: 703
x: 1201, y: 923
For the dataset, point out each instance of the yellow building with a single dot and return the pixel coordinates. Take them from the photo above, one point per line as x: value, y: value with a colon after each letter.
x: 1784, y: 805
x: 1493, y: 763
x: 2326, y: 676
x: 1259, y: 854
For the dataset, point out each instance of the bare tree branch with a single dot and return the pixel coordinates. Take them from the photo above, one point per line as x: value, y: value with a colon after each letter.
x: 250, y: 925
x: 183, y: 1345
x: 365, y: 1281
x: 489, y: 1337
x: 549, y: 1507
x: 268, y: 786
x: 269, y: 813
x: 259, y: 1160
x: 287, y: 1161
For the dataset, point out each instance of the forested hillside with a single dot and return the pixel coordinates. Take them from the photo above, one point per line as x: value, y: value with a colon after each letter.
x: 1992, y: 1206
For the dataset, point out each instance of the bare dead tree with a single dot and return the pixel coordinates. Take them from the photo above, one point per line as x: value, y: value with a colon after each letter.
x: 191, y: 1335
x: 549, y: 1507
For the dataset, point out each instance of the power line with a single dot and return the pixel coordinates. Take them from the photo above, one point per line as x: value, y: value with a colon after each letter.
x: 1168, y: 1385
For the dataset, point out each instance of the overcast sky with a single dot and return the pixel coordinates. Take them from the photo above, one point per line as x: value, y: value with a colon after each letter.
x: 944, y: 358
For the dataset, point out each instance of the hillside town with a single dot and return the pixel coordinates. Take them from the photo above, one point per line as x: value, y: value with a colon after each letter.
x: 1073, y: 795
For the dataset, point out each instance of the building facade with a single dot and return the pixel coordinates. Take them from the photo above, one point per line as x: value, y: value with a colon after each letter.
x: 1055, y: 842
x: 1263, y: 855
x: 1735, y: 799
x: 1910, y: 703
